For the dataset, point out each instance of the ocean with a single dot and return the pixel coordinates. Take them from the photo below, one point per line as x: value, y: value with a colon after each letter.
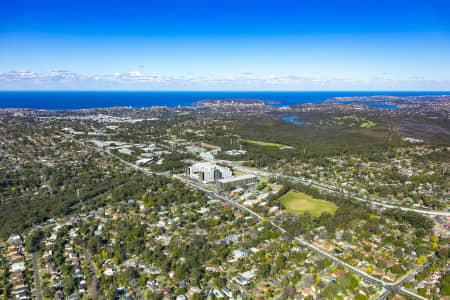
x: 81, y: 100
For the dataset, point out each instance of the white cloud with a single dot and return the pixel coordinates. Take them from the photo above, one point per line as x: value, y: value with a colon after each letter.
x: 64, y: 79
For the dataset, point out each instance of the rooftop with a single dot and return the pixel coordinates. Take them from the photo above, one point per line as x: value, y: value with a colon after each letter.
x: 235, y: 178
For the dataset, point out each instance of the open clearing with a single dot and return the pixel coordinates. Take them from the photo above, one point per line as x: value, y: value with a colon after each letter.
x: 367, y: 124
x: 267, y: 144
x: 299, y: 203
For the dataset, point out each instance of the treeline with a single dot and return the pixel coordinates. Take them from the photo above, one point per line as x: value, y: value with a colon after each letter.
x: 18, y: 214
x: 314, y: 139
x: 173, y: 162
x: 348, y: 211
x: 133, y: 190
x: 274, y: 199
x: 439, y: 156
x: 308, y: 142
x: 418, y: 221
x: 131, y: 235
x: 338, y: 198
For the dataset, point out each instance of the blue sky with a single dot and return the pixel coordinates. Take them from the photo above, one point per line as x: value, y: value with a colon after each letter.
x: 225, y: 45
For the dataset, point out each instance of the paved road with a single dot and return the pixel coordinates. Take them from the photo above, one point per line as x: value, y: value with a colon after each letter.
x: 283, y: 231
x: 93, y: 272
x: 411, y: 275
x: 37, y: 280
x: 411, y: 294
x: 399, y: 284
x: 385, y: 295
x: 269, y: 174
x: 370, y: 201
x: 321, y: 187
x: 388, y: 286
x: 362, y: 274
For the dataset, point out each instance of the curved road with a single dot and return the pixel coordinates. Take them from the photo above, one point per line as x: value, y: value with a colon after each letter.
x: 258, y: 172
x: 388, y: 286
x: 264, y: 173
x: 352, y: 195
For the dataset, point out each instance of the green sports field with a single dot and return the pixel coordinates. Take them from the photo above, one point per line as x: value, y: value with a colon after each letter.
x: 299, y: 203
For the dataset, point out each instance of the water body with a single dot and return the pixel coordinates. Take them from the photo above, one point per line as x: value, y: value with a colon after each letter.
x: 292, y: 119
x: 82, y: 100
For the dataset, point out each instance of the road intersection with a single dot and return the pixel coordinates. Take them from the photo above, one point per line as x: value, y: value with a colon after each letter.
x: 389, y: 287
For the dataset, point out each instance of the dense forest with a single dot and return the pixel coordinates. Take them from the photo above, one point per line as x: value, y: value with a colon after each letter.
x: 16, y: 215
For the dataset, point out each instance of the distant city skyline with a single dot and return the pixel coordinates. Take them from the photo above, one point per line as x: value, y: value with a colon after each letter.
x: 234, y: 45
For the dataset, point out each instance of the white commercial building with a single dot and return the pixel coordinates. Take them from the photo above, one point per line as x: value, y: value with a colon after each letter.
x: 208, y: 172
x: 237, y: 181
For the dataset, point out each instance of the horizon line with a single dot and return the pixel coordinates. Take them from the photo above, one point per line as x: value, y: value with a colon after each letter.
x: 237, y: 91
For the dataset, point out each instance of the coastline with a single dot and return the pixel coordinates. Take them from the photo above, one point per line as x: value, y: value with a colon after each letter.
x: 76, y: 100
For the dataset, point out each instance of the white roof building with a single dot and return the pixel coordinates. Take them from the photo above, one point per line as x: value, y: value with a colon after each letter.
x: 208, y: 170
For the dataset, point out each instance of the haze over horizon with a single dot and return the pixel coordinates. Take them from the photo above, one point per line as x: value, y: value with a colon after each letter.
x: 255, y: 45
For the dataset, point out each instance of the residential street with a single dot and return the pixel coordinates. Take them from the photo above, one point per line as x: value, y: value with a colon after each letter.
x: 37, y: 280
x: 92, y: 270
x: 388, y: 286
